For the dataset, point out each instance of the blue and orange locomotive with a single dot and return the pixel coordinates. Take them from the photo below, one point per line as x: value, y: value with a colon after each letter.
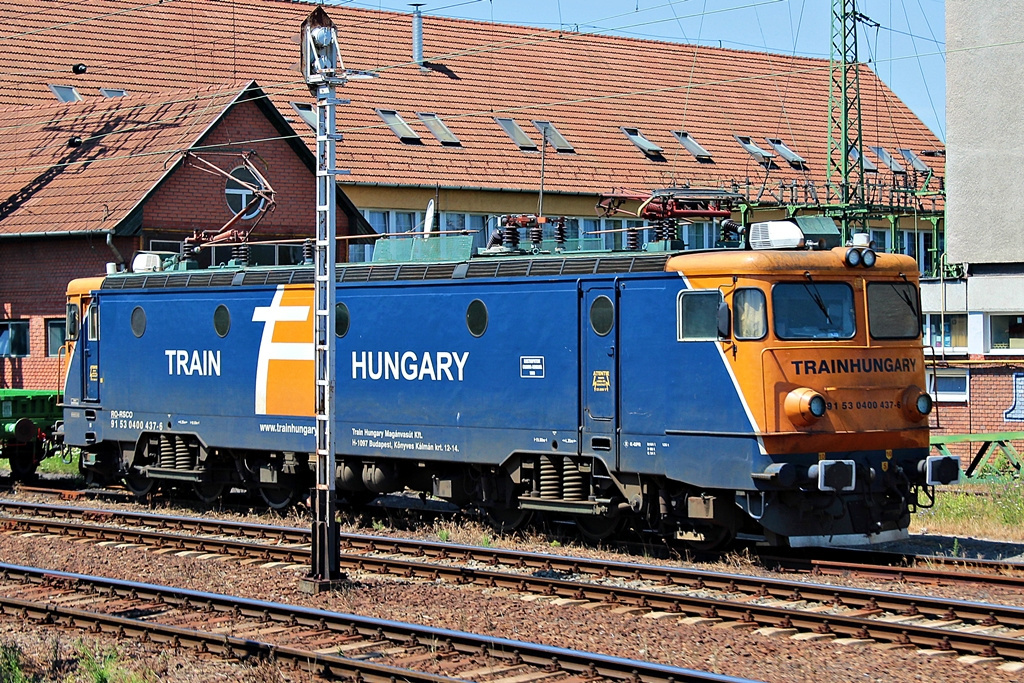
x: 773, y: 391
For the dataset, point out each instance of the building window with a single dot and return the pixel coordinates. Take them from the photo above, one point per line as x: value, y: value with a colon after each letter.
x: 951, y: 385
x: 1007, y: 332
x: 947, y: 331
x: 398, y: 126
x: 888, y: 159
x: 783, y: 150
x: 700, y: 235
x: 869, y: 166
x: 56, y: 333
x: 517, y: 134
x: 14, y: 339
x: 881, y: 240
x: 436, y: 126
x: 240, y: 191
x: 554, y: 137
x: 761, y: 155
x: 65, y: 93
x: 165, y: 245
x: 646, y: 146
x: 692, y: 146
x: 113, y: 92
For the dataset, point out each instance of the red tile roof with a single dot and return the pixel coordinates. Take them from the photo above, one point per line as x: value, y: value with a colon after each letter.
x: 588, y: 86
x: 84, y: 166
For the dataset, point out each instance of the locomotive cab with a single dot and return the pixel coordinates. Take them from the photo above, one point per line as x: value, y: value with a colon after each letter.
x: 826, y: 348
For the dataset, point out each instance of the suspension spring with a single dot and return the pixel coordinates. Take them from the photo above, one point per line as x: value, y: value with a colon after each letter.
x: 572, y: 480
x: 166, y: 452
x: 550, y: 484
x: 182, y: 454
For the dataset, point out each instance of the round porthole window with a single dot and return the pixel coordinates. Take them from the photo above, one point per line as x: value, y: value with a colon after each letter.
x: 138, y: 321
x: 239, y: 193
x: 341, y: 320
x: 476, y: 318
x: 602, y: 315
x: 222, y: 320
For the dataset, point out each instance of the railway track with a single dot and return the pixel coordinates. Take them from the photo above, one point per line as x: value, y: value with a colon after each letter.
x: 329, y: 644
x: 693, y: 595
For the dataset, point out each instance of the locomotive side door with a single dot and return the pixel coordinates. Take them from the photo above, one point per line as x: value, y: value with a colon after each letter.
x: 90, y: 342
x: 599, y: 371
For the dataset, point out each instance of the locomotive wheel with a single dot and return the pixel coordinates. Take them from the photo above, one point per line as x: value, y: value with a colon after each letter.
x: 506, y: 520
x: 277, y: 497
x: 208, y: 491
x: 139, y: 484
x: 596, y: 529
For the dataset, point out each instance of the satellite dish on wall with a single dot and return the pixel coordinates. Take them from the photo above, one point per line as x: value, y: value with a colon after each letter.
x: 428, y: 221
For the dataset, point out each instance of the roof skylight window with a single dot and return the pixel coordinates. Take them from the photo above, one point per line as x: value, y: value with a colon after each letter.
x: 914, y: 161
x: 645, y: 145
x: 786, y: 153
x: 306, y: 112
x: 436, y: 126
x: 691, y: 145
x: 868, y: 164
x: 762, y: 155
x: 65, y: 93
x: 888, y: 159
x: 550, y: 133
x: 517, y: 134
x: 398, y: 125
x: 113, y: 92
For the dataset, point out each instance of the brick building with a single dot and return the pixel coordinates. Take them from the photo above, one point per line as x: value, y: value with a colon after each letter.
x: 87, y: 184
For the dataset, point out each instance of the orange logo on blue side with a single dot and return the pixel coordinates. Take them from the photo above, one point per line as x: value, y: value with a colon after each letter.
x: 285, y: 367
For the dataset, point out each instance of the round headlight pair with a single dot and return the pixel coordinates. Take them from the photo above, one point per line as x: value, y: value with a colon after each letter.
x: 804, y: 406
x: 860, y: 257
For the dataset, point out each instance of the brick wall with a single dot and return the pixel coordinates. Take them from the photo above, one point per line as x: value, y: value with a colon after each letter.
x: 35, y: 277
x: 991, y: 393
x: 194, y: 199
x: 36, y: 272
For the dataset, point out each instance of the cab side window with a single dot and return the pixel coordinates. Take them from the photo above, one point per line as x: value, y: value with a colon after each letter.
x: 93, y: 322
x: 697, y: 315
x: 750, y: 313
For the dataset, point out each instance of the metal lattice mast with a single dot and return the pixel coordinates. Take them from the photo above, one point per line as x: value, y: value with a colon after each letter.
x: 323, y: 73
x: 845, y: 176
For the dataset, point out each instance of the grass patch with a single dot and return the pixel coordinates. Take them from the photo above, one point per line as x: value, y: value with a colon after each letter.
x: 985, y: 507
x: 55, y: 465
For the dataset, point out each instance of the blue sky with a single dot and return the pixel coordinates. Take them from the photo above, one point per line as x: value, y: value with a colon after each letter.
x: 906, y: 48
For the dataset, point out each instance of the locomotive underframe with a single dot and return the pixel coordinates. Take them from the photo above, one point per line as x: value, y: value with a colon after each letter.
x: 583, y: 489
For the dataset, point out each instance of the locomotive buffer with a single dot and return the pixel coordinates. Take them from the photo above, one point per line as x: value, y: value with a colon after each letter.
x: 323, y: 72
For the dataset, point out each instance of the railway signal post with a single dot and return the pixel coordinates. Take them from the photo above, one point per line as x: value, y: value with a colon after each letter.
x: 323, y: 73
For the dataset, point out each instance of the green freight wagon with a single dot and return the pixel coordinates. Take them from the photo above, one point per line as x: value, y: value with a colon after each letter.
x: 27, y: 421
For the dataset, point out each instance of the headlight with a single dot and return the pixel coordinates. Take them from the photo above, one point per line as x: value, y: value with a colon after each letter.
x: 853, y: 257
x: 916, y: 403
x: 868, y: 257
x: 804, y: 406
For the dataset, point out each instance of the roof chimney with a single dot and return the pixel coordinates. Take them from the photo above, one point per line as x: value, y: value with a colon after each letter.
x: 417, y: 35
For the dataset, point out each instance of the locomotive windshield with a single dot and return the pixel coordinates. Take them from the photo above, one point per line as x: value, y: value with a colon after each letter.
x: 893, y: 310
x: 812, y: 310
